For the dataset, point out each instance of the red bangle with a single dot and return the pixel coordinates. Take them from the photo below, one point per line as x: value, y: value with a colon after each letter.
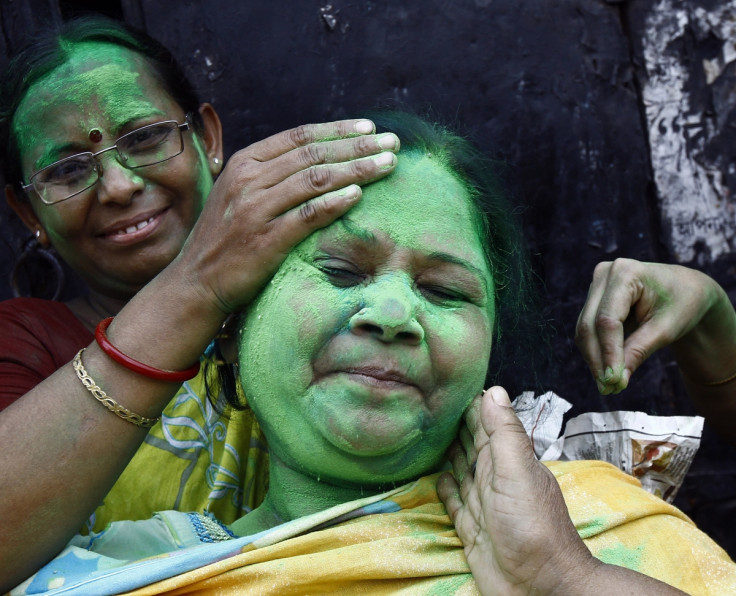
x: 172, y: 376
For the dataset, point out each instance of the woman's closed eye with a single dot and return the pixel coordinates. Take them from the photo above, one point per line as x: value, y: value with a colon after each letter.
x: 341, y: 273
x: 442, y: 295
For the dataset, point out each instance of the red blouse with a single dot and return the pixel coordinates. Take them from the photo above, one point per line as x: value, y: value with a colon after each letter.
x: 36, y: 338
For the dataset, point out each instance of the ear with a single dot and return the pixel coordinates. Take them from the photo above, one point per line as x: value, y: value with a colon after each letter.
x: 212, y: 137
x: 24, y: 210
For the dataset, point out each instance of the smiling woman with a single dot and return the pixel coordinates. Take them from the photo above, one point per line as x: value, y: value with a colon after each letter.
x: 359, y: 359
x: 115, y: 246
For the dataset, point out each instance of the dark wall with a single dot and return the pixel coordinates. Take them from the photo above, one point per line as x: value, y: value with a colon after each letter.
x: 615, y: 118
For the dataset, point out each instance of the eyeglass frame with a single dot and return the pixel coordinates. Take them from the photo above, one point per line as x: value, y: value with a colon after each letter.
x: 181, y: 127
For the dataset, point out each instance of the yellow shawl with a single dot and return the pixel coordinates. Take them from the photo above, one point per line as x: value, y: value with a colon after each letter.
x: 415, y: 550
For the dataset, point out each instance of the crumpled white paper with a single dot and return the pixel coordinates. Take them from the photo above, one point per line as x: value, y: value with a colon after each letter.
x: 658, y: 450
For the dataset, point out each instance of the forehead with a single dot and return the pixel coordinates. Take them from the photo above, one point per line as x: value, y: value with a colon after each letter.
x: 99, y: 81
x: 421, y: 206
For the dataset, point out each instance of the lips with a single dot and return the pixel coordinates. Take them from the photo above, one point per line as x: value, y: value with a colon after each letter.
x: 372, y: 364
x: 379, y: 374
x: 134, y: 228
x: 377, y: 378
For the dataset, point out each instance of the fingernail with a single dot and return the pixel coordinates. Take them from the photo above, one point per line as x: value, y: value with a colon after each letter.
x: 623, y: 382
x: 351, y: 192
x: 601, y: 387
x: 500, y: 397
x: 385, y: 160
x: 388, y: 142
x: 364, y: 127
x: 608, y: 374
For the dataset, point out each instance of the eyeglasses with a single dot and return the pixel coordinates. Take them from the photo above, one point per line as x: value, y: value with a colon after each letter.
x: 145, y: 146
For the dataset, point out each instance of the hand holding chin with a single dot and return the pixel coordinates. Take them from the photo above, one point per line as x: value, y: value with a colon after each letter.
x: 510, y: 514
x: 509, y: 511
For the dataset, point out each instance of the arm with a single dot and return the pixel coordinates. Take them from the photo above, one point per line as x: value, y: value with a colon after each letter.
x: 512, y: 518
x: 634, y: 309
x: 62, y: 451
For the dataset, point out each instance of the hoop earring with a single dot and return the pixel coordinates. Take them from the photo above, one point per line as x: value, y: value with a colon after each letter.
x: 29, y: 277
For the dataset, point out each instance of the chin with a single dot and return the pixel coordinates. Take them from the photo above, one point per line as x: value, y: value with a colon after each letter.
x: 382, y: 472
x: 379, y: 480
x: 376, y: 444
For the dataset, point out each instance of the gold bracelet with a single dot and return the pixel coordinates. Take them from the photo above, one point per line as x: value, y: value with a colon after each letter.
x: 106, y: 400
x: 722, y: 381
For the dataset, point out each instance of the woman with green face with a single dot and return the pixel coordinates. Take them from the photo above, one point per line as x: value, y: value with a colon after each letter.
x: 359, y: 359
x: 111, y: 160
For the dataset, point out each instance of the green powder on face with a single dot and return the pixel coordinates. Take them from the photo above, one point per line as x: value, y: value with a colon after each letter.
x: 302, y: 311
x: 98, y: 78
x: 411, y: 236
x: 205, y: 180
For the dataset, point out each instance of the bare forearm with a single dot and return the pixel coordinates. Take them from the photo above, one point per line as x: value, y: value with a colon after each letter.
x: 611, y: 580
x: 707, y: 355
x: 63, y: 451
x: 577, y: 573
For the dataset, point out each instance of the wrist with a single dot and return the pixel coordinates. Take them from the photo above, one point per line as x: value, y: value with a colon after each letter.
x: 141, y: 368
x: 570, y: 574
x: 706, y: 355
x: 168, y: 324
x: 584, y: 578
x: 208, y: 281
x: 188, y: 281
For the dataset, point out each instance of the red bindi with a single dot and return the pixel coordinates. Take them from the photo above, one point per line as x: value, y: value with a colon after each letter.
x: 95, y: 135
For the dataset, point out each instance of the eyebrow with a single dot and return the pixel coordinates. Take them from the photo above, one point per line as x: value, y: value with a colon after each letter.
x: 443, y: 256
x: 368, y: 237
x: 354, y: 229
x: 51, y: 156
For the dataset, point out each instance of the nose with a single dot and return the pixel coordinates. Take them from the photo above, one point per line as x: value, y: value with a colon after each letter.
x: 389, y: 312
x: 117, y: 184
